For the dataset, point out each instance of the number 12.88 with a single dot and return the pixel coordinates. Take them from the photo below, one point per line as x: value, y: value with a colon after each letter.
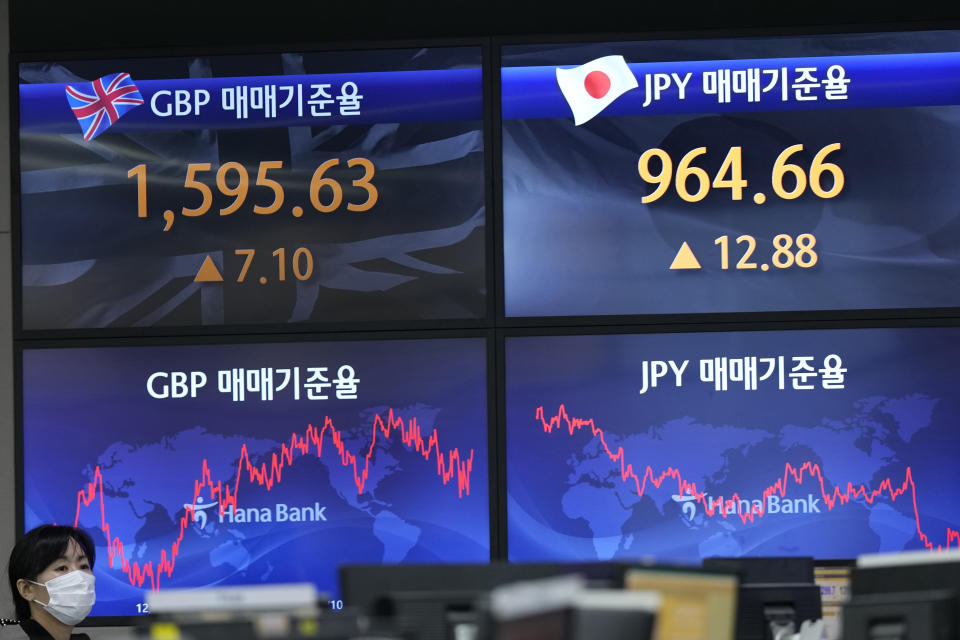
x: 784, y: 255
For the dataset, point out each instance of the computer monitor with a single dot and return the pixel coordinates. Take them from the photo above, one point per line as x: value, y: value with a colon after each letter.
x: 694, y: 603
x: 914, y: 594
x: 918, y: 615
x: 560, y: 608
x: 775, y: 594
x: 431, y: 602
x: 833, y: 578
x: 904, y: 572
x: 647, y: 176
x: 322, y: 188
x: 200, y: 465
x: 673, y: 445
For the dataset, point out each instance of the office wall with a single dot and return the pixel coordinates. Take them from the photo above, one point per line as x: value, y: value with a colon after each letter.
x: 7, y: 520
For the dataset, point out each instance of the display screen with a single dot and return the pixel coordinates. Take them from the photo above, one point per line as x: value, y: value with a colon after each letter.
x: 732, y: 175
x: 286, y: 188
x: 824, y: 443
x: 206, y: 465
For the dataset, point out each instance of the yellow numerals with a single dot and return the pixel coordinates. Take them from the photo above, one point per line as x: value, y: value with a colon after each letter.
x: 692, y: 183
x: 787, y: 252
x: 781, y: 168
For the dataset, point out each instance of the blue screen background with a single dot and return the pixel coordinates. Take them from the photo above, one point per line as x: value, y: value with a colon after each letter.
x: 897, y: 411
x: 89, y: 407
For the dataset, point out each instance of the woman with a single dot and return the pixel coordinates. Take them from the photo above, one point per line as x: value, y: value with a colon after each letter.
x: 51, y: 577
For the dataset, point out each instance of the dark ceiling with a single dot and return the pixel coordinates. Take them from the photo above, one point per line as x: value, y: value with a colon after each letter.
x: 42, y: 25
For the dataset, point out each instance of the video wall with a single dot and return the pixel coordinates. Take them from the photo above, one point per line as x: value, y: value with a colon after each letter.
x: 282, y: 311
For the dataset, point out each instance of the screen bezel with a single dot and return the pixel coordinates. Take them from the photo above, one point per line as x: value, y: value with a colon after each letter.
x: 492, y: 441
x: 614, y: 320
x: 712, y: 328
x: 16, y: 59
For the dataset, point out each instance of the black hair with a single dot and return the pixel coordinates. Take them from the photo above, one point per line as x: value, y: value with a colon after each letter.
x: 36, y: 550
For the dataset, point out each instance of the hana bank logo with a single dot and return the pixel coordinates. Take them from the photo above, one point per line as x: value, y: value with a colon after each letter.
x: 592, y: 87
x: 280, y: 512
x: 774, y: 505
x: 200, y: 512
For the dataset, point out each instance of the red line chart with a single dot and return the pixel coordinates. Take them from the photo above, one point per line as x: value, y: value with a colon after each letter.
x: 449, y: 465
x: 792, y: 476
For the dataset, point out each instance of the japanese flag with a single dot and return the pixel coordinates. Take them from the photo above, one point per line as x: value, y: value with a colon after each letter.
x: 591, y: 87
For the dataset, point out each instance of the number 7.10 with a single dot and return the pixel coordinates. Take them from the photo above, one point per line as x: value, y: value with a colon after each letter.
x: 301, y: 263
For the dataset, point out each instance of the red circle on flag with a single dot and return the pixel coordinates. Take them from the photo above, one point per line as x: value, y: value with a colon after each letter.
x: 597, y: 84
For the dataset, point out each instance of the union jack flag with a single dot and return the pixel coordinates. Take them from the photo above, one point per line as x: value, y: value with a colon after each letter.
x: 100, y: 103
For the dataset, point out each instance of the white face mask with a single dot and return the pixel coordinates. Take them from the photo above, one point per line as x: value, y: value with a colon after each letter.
x: 71, y: 597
